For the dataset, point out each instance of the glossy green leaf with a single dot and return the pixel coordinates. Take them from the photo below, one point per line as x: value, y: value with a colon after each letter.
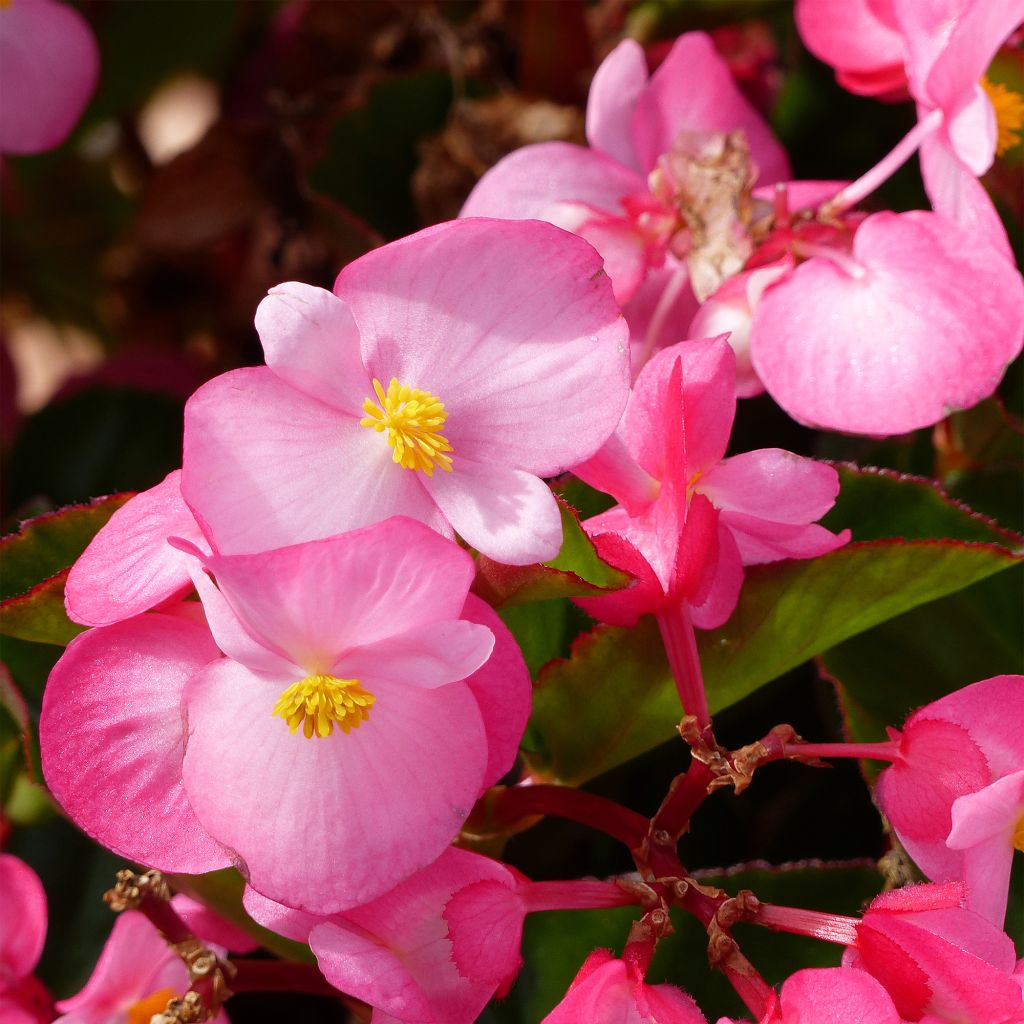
x: 577, y: 571
x: 613, y: 698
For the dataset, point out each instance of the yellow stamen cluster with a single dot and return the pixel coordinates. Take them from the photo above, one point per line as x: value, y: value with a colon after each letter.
x: 318, y: 701
x: 1018, y: 836
x: 1009, y: 108
x: 144, y: 1009
x: 412, y: 419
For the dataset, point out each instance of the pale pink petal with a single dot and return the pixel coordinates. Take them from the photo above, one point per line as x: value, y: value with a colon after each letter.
x: 957, y: 194
x: 693, y: 91
x: 836, y: 995
x: 971, y: 130
x: 669, y: 1004
x: 761, y: 540
x: 485, y: 925
x: 315, y: 601
x: 614, y: 471
x: 49, y: 63
x: 614, y: 91
x: 529, y: 181
x: 426, y: 656
x: 502, y: 690
x: 327, y: 823
x: 640, y: 309
x: 507, y: 514
x: 134, y: 963
x: 848, y: 35
x: 310, y: 340
x: 929, y: 326
x: 23, y: 911
x: 111, y: 734
x: 622, y: 248
x: 210, y: 926
x: 983, y: 827
x: 267, y: 465
x: 286, y: 921
x: 507, y: 354
x: 128, y: 566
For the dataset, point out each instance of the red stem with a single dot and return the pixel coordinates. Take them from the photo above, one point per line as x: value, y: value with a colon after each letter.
x: 681, y: 647
x: 885, y: 751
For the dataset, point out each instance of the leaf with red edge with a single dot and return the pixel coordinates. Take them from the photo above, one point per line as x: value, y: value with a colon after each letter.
x: 577, y: 571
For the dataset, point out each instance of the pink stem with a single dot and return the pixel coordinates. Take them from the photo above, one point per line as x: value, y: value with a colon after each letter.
x: 886, y: 751
x: 681, y: 647
x: 830, y: 927
x: 575, y: 895
x: 885, y: 168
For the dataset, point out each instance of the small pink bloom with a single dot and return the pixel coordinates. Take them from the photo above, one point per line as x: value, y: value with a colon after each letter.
x: 621, y: 193
x: 955, y: 795
x: 128, y: 566
x: 23, y: 999
x: 607, y: 990
x: 395, y: 717
x: 688, y: 520
x: 135, y: 975
x: 934, y: 957
x: 403, y: 954
x: 426, y: 385
x: 49, y: 63
x: 830, y: 995
x: 917, y: 317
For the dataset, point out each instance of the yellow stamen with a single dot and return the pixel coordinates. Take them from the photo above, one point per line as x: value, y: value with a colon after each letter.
x: 1009, y: 108
x: 412, y: 419
x: 318, y: 701
x: 1018, y: 836
x: 143, y: 1010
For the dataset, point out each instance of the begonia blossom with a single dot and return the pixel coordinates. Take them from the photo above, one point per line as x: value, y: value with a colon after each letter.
x: 639, y: 194
x: 396, y: 714
x: 23, y: 998
x: 608, y: 990
x: 954, y: 793
x: 830, y: 995
x: 49, y: 63
x: 427, y: 385
x: 688, y: 519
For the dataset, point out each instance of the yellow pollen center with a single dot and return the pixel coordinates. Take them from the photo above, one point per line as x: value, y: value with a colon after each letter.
x: 143, y: 1010
x: 412, y: 419
x: 1018, y: 836
x: 1009, y: 108
x: 318, y: 701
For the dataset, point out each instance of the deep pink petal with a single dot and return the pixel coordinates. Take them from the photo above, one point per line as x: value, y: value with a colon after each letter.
x: 485, y: 925
x: 267, y: 465
x: 427, y: 656
x: 761, y: 540
x: 669, y: 1004
x: 502, y: 690
x: 606, y: 994
x: 128, y: 566
x: 836, y: 995
x: 327, y: 823
x: 693, y: 91
x: 622, y: 247
x: 957, y: 194
x: 210, y: 926
x: 640, y: 309
x: 314, y: 601
x: 111, y: 734
x: 310, y: 340
x: 720, y: 600
x: 847, y: 34
x: 23, y: 911
x: 508, y: 355
x: 529, y: 181
x: 507, y: 514
x: 623, y: 607
x: 928, y: 327
x: 614, y: 91
x: 49, y: 63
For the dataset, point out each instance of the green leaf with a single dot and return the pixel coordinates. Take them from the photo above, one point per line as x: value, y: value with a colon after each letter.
x: 34, y: 565
x: 577, y: 571
x: 614, y: 698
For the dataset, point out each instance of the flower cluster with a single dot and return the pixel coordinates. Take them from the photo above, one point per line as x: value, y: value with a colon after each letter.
x: 289, y: 670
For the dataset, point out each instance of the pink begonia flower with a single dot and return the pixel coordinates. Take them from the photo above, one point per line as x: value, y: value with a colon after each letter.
x: 49, y: 63
x: 128, y: 566
x: 620, y: 193
x: 427, y: 385
x: 854, y: 37
x: 688, y: 519
x: 890, y: 331
x: 607, y: 990
x: 136, y: 974
x: 955, y: 793
x: 23, y: 998
x: 396, y: 715
x: 396, y: 952
x: 937, y: 958
x: 830, y: 995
